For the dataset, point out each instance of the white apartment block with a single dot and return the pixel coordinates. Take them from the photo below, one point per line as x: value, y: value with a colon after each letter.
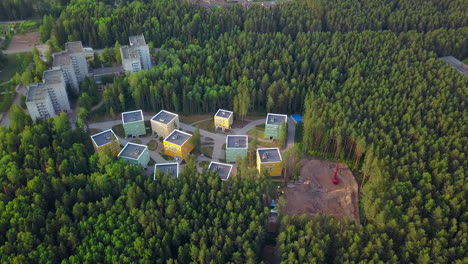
x: 49, y: 98
x: 130, y: 59
x: 136, y: 56
x: 73, y: 64
x: 139, y: 43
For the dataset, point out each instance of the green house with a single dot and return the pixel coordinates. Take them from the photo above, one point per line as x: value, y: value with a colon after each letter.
x: 273, y: 125
x: 236, y: 147
x: 135, y: 154
x: 133, y: 123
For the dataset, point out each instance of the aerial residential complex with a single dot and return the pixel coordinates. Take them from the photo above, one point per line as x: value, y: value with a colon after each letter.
x: 273, y: 125
x: 236, y: 147
x: 269, y: 159
x: 49, y: 98
x: 178, y: 144
x: 164, y: 122
x: 133, y: 123
x: 171, y: 169
x: 223, y: 119
x: 135, y: 154
x: 106, y: 140
x: 72, y: 62
x: 136, y: 56
x: 224, y: 170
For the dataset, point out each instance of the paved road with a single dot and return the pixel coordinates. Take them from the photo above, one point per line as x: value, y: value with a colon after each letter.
x: 219, y: 140
x: 291, y: 134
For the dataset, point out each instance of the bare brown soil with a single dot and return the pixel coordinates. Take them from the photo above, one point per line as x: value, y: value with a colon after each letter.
x: 239, y: 123
x: 24, y: 41
x: 315, y: 193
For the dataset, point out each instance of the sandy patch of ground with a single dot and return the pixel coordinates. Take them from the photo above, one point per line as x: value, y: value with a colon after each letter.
x: 315, y: 193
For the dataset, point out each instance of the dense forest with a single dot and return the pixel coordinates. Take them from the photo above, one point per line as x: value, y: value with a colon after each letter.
x: 366, y: 77
x: 99, y: 26
x: 59, y: 202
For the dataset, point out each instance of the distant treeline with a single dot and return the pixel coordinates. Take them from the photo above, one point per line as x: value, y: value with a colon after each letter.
x: 98, y: 25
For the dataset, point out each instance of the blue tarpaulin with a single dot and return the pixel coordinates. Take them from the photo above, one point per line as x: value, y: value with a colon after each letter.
x: 297, y: 118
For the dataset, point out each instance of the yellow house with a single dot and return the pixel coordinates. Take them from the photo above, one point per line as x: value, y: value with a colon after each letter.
x: 106, y: 140
x: 269, y: 159
x: 223, y: 119
x: 178, y: 144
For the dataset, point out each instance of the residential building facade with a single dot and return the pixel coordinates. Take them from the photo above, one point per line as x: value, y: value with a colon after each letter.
x: 164, y: 122
x: 223, y: 119
x: 133, y: 123
x: 73, y: 64
x: 273, y: 125
x: 236, y: 147
x: 135, y: 154
x: 131, y: 62
x: 106, y: 140
x: 139, y: 44
x: 49, y: 98
x: 269, y: 159
x: 177, y: 144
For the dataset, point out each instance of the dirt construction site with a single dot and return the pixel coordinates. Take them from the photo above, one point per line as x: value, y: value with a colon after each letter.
x: 315, y: 192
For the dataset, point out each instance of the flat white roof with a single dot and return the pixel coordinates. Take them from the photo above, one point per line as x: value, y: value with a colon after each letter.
x: 172, y: 168
x: 164, y: 117
x: 132, y: 116
x: 223, y: 169
x: 276, y: 119
x: 178, y: 137
x: 132, y: 151
x: 237, y: 141
x: 223, y: 113
x: 104, y: 137
x: 268, y: 155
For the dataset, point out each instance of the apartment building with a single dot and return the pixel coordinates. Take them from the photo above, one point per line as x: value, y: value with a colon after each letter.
x: 139, y: 44
x: 73, y: 64
x: 164, y: 122
x: 49, y: 98
x: 136, y: 56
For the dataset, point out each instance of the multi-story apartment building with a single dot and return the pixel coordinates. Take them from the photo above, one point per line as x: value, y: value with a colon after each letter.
x: 130, y: 59
x: 38, y: 102
x: 178, y: 144
x: 133, y: 123
x: 223, y: 119
x: 135, y: 154
x: 73, y: 64
x: 164, y: 122
x: 106, y: 140
x: 269, y: 159
x: 136, y: 56
x: 273, y: 125
x: 236, y: 147
x: 49, y: 98
x: 139, y: 43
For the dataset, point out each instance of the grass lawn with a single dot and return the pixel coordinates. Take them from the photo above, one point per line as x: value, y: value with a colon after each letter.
x: 153, y: 145
x: 119, y: 131
x: 207, y: 125
x: 465, y: 61
x: 193, y: 118
x: 100, y: 115
x: 260, y: 129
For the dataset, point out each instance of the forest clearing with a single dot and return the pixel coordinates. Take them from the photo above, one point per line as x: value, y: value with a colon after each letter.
x: 315, y: 193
